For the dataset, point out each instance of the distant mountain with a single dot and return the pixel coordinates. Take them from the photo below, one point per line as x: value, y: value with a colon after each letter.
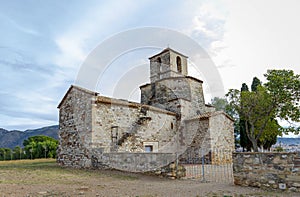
x: 11, y: 139
x: 288, y: 141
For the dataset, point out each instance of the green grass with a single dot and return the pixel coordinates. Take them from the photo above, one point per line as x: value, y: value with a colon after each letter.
x: 27, y: 162
x: 41, y: 171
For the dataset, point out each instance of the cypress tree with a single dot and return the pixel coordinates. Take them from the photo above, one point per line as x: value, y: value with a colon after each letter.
x: 244, y: 140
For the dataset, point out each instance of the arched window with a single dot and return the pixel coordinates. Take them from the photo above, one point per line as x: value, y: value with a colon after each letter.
x: 159, y: 68
x: 178, y: 63
x: 159, y: 60
x: 159, y: 64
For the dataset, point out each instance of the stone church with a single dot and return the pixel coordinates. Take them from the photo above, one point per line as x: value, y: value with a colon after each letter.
x: 172, y: 122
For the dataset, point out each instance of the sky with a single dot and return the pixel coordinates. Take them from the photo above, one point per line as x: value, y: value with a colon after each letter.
x: 43, y: 45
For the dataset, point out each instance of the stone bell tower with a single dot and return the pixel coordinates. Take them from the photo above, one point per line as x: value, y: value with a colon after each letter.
x: 166, y: 64
x: 170, y: 88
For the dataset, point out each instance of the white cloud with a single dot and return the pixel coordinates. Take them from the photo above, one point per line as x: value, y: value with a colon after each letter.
x: 207, y: 20
x: 201, y: 26
x: 71, y: 49
x: 100, y: 20
x: 245, y: 38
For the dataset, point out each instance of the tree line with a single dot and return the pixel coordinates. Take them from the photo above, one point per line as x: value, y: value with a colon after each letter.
x: 257, y: 110
x: 34, y: 147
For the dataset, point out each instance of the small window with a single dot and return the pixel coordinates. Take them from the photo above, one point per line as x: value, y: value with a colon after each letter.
x: 178, y: 63
x: 114, y: 134
x: 159, y: 60
x: 159, y: 64
x: 148, y: 148
x: 172, y: 126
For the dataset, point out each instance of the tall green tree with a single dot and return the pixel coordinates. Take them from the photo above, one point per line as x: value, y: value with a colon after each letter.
x: 244, y: 87
x: 18, y: 153
x: 244, y: 140
x: 278, y: 98
x: 6, y: 154
x: 2, y: 153
x: 255, y: 83
x: 268, y: 138
x: 40, y: 147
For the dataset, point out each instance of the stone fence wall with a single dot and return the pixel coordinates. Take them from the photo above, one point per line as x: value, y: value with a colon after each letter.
x: 267, y: 170
x: 161, y: 164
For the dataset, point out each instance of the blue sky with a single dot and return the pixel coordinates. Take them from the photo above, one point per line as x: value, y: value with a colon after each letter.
x: 44, y: 43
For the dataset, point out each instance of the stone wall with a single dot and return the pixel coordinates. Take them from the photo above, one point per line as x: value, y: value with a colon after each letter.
x: 135, y: 125
x: 194, y: 141
x: 170, y: 93
x: 134, y: 162
x: 75, y: 135
x: 221, y: 133
x: 162, y: 91
x: 267, y: 170
x: 197, y: 96
x: 212, y: 136
x: 158, y: 164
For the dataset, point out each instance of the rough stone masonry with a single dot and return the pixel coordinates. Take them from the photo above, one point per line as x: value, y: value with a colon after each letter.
x: 279, y: 171
x: 171, y: 119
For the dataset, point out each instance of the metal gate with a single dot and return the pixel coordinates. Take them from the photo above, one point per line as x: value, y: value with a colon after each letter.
x: 208, y: 165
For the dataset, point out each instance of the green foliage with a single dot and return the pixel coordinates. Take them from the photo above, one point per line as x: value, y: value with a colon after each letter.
x: 284, y: 87
x: 219, y: 103
x: 18, y: 153
x: 6, y: 154
x: 255, y: 83
x: 269, y: 137
x: 244, y: 140
x: 34, y: 147
x: 244, y: 87
x: 278, y: 98
x: 279, y: 149
x: 40, y: 147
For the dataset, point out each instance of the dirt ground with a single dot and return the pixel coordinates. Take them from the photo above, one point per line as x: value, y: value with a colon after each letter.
x: 45, y: 178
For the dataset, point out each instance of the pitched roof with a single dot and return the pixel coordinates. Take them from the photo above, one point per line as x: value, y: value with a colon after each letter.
x: 168, y: 49
x: 78, y: 88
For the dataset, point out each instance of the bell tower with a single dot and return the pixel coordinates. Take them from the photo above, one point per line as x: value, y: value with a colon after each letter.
x: 166, y: 64
x: 171, y: 88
